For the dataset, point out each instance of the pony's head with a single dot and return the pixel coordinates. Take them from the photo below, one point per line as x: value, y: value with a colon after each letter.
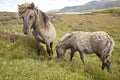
x: 63, y: 45
x: 27, y: 12
x: 32, y: 16
x: 60, y: 51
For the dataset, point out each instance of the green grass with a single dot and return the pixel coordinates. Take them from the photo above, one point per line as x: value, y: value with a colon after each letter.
x: 19, y: 60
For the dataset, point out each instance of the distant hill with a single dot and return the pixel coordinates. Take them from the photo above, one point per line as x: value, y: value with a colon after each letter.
x: 93, y: 5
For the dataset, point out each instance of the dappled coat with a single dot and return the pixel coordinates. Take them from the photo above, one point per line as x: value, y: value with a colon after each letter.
x: 98, y: 42
x: 88, y: 42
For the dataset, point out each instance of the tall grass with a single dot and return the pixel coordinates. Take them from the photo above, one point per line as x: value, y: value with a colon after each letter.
x: 19, y: 59
x: 113, y: 11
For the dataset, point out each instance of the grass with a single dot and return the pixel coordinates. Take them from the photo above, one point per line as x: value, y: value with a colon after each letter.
x: 19, y: 59
x: 113, y: 11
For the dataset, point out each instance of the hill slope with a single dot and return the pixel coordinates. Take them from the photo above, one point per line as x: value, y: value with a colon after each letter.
x: 93, y: 5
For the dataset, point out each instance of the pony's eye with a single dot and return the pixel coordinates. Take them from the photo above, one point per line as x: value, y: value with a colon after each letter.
x: 31, y: 17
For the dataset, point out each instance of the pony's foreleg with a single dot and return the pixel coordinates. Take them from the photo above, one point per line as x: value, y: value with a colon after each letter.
x: 48, y: 50
x: 51, y: 44
x: 37, y: 42
x: 38, y: 48
x: 72, y: 54
x: 82, y: 57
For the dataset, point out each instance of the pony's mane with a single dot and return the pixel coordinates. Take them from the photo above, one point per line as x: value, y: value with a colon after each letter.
x: 65, y: 36
x: 45, y: 18
x: 23, y: 7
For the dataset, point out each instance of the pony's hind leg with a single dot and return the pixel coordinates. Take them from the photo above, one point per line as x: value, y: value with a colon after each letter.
x: 102, y: 59
x: 107, y: 64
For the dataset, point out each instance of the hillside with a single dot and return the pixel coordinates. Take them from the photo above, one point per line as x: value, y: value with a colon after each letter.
x: 93, y: 5
x: 18, y: 53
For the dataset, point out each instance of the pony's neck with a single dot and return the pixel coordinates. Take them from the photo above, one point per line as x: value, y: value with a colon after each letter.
x: 66, y: 45
x: 41, y: 20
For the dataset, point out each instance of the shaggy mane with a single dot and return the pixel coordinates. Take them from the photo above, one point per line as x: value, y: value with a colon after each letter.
x: 65, y: 36
x: 23, y: 7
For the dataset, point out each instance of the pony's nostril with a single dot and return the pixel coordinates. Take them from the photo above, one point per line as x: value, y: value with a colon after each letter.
x: 25, y: 33
x: 59, y: 59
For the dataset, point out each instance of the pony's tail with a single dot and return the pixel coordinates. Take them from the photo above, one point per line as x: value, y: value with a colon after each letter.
x: 108, y: 49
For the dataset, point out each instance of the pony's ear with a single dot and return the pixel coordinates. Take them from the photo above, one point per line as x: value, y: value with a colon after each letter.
x: 37, y: 11
x: 18, y: 5
x: 32, y: 5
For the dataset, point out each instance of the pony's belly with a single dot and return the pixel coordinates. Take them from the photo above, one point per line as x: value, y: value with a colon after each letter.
x: 86, y: 49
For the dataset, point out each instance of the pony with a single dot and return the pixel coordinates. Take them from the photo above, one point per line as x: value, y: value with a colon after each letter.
x: 43, y: 30
x: 98, y: 42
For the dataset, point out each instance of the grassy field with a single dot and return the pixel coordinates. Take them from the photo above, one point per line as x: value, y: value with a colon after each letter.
x: 19, y: 60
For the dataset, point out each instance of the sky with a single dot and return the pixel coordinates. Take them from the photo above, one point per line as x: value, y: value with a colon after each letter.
x: 44, y: 5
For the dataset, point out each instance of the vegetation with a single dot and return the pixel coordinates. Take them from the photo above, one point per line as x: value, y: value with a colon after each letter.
x: 113, y: 11
x: 19, y: 59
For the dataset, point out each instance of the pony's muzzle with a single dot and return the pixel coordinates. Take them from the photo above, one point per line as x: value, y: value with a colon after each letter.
x: 59, y: 59
x: 26, y: 32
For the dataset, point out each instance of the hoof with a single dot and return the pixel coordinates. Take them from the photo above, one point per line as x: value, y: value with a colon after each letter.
x: 41, y: 58
x: 50, y: 58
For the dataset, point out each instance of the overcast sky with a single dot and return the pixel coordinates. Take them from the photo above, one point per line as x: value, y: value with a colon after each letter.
x: 44, y: 5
